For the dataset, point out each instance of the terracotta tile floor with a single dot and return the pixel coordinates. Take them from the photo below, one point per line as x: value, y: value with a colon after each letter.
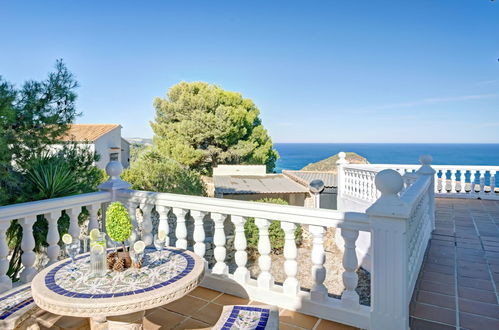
x: 202, y: 307
x: 458, y: 285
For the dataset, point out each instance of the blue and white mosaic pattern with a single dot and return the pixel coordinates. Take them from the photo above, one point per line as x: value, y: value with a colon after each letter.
x: 247, y: 318
x: 157, y: 271
x: 15, y: 300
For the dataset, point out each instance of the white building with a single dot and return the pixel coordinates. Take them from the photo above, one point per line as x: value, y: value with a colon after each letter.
x: 104, y: 139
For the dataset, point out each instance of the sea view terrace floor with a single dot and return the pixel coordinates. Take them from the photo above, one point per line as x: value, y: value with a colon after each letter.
x: 458, y: 284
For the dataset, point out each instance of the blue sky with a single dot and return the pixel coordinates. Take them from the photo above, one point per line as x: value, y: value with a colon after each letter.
x: 332, y: 71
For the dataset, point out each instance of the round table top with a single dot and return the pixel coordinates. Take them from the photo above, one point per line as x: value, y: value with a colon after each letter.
x: 162, y: 279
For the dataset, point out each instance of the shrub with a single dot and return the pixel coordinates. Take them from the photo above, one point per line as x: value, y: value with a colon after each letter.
x: 276, y: 234
x: 118, y: 223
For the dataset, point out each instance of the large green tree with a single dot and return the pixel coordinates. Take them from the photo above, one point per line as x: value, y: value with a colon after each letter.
x: 201, y: 125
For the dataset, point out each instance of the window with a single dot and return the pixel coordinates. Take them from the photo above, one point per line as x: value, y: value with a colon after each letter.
x: 113, y: 156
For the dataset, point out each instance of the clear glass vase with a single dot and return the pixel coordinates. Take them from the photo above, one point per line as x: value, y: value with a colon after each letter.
x: 98, y: 256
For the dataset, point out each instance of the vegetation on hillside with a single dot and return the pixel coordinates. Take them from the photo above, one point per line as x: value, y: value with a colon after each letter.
x: 329, y: 164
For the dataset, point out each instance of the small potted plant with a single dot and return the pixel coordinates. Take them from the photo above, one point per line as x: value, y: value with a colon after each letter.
x: 119, y: 228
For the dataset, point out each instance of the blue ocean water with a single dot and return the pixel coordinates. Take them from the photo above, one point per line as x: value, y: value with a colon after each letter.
x: 294, y: 156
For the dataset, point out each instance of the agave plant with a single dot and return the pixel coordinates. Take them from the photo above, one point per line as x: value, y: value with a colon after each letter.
x: 51, y: 177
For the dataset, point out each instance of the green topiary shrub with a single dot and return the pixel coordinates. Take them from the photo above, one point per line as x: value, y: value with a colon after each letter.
x: 276, y: 234
x: 118, y: 223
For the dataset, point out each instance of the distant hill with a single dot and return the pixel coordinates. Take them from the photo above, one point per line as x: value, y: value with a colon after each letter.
x: 138, y: 140
x: 329, y: 164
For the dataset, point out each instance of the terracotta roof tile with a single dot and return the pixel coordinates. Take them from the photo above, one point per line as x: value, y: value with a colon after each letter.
x: 87, y: 132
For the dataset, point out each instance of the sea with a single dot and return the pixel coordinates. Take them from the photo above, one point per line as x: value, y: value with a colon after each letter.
x: 295, y: 156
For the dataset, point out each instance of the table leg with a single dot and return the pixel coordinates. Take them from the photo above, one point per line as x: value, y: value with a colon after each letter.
x: 131, y: 321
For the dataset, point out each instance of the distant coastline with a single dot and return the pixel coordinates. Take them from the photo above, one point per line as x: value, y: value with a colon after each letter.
x: 294, y: 156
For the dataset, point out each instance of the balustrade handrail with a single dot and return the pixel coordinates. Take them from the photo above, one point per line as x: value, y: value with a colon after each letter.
x: 22, y: 210
x: 287, y: 213
x: 416, y: 166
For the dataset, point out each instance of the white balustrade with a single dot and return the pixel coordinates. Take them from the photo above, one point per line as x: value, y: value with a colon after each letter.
x: 453, y: 181
x: 219, y: 252
x: 472, y: 181
x: 147, y: 236
x: 318, y: 291
x: 462, y: 189
x: 350, y: 297
x: 493, y: 182
x: 53, y: 249
x: 28, y: 257
x: 132, y: 212
x: 241, y: 275
x: 163, y: 222
x: 74, y: 228
x: 5, y: 281
x: 93, y: 223
x: 181, y: 228
x: 199, y: 235
x: 482, y: 181
x: 265, y: 278
x: 291, y: 285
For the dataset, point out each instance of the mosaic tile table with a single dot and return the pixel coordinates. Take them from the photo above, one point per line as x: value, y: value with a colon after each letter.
x: 120, y: 298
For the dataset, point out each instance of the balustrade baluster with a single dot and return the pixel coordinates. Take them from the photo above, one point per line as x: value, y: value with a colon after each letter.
x: 147, y: 236
x: 443, y: 182
x: 163, y: 222
x: 472, y: 181
x: 181, y: 228
x: 493, y: 182
x: 241, y: 274
x: 453, y: 181
x: 199, y: 235
x: 482, y: 182
x: 265, y: 279
x: 74, y: 228
x: 436, y: 182
x: 28, y: 257
x: 318, y: 291
x: 93, y: 222
x: 291, y: 285
x: 219, y: 240
x: 53, y: 249
x: 132, y: 211
x: 350, y: 279
x: 463, y: 181
x: 5, y: 281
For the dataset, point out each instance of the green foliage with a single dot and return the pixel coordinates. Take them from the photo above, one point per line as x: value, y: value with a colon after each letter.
x: 201, y: 125
x: 118, y: 223
x: 153, y: 172
x: 276, y: 234
x: 137, y: 149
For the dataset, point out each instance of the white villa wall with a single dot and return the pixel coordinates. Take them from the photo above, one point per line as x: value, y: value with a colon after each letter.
x: 104, y: 144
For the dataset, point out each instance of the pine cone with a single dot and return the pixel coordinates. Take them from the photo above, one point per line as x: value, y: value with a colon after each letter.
x: 119, y: 265
x: 111, y: 259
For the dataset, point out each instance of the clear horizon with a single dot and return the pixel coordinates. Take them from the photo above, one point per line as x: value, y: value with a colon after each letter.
x: 381, y: 71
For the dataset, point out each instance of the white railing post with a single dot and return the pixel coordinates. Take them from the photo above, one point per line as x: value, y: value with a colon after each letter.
x: 147, y: 223
x: 93, y: 222
x: 318, y: 291
x: 132, y: 212
x: 350, y: 297
x: 389, y: 276
x: 163, y: 222
x: 493, y: 182
x: 291, y: 285
x: 53, y: 249
x: 462, y: 181
x: 220, y: 251
x: 74, y: 227
x: 198, y: 235
x: 181, y: 228
x: 241, y: 275
x: 265, y: 279
x: 5, y: 281
x: 482, y: 182
x: 426, y: 169
x: 340, y: 173
x: 28, y: 257
x: 472, y: 181
x: 453, y: 181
